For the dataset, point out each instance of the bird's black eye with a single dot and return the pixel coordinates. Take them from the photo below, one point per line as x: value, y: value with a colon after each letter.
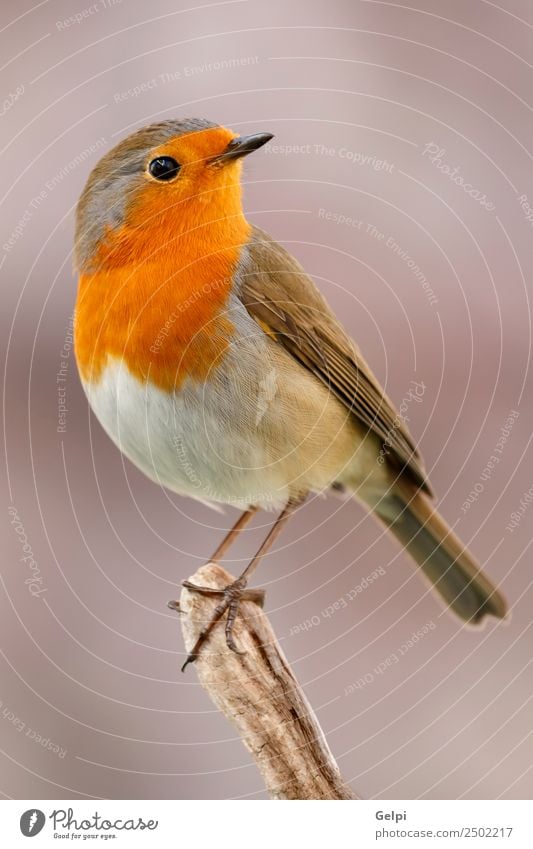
x: 164, y: 168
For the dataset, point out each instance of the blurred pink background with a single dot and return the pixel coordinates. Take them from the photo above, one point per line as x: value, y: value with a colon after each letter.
x: 415, y: 123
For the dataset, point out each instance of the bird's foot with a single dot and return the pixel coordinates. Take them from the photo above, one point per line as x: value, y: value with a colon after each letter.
x: 230, y: 599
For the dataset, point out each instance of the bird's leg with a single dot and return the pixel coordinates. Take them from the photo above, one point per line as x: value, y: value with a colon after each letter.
x: 236, y: 592
x: 228, y: 540
x: 230, y: 537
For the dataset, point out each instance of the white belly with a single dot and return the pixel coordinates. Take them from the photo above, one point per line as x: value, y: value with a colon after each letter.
x: 186, y: 441
x: 259, y: 430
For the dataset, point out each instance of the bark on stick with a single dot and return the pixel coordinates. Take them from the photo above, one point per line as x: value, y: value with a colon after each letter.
x: 259, y: 694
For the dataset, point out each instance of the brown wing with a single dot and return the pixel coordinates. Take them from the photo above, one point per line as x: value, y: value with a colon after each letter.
x: 281, y: 297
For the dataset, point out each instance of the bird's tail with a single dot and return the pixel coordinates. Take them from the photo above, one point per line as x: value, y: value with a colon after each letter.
x: 441, y: 555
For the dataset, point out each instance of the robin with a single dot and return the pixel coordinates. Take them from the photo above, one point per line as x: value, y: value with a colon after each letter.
x: 217, y: 367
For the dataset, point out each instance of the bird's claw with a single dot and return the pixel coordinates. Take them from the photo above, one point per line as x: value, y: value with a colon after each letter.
x: 231, y: 597
x: 203, y: 590
x: 231, y: 644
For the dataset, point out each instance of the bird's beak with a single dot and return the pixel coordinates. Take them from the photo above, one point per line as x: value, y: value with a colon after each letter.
x: 241, y: 146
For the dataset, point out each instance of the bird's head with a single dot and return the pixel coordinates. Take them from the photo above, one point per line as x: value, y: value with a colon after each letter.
x: 158, y: 186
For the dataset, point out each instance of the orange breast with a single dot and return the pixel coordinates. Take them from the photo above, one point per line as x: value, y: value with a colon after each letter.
x: 159, y: 295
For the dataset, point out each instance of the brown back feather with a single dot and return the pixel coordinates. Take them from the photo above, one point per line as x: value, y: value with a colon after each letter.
x: 281, y: 297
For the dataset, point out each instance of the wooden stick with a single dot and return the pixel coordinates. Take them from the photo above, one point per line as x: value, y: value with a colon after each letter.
x: 259, y: 694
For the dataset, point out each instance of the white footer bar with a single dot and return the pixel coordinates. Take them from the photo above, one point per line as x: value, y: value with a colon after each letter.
x: 267, y: 825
